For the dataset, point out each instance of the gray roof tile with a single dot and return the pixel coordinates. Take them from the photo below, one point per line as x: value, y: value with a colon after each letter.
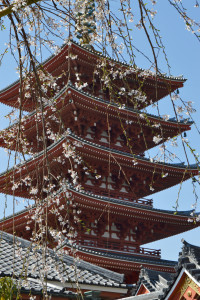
x: 22, y: 259
x: 30, y: 286
x: 128, y: 257
x: 189, y: 259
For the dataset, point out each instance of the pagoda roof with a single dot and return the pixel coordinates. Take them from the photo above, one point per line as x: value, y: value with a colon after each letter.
x: 128, y: 109
x: 99, y: 54
x: 129, y: 264
x: 129, y: 204
x: 70, y: 86
x: 131, y: 258
x: 165, y: 84
x: 171, y: 126
x: 94, y: 151
x: 139, y: 158
x: 177, y: 221
x: 89, y: 276
x: 175, y: 214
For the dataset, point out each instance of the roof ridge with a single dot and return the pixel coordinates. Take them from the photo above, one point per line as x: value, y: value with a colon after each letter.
x: 161, y: 75
x: 69, y: 133
x: 133, y: 110
x: 134, y: 257
x: 65, y: 258
x: 114, y: 200
x: 185, y: 243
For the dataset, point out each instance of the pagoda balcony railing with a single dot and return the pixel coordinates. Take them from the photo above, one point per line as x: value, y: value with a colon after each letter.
x: 118, y: 195
x: 116, y: 247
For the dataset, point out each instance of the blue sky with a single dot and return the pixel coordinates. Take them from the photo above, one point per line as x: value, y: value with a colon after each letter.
x: 183, y: 54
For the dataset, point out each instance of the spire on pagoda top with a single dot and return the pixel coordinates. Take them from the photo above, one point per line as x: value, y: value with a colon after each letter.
x: 85, y: 21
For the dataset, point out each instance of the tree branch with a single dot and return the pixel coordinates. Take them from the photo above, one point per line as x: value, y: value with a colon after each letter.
x: 8, y: 10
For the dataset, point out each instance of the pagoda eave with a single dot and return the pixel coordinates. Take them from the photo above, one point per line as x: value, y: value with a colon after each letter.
x: 70, y: 101
x: 96, y: 157
x: 128, y: 265
x: 58, y: 65
x: 161, y: 222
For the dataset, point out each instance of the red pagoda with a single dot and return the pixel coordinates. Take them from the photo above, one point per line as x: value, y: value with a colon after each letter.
x: 107, y: 134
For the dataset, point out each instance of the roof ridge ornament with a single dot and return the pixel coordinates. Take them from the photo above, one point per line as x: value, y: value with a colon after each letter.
x: 85, y: 22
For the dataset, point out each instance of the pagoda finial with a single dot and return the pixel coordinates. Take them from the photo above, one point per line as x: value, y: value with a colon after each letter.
x: 85, y: 21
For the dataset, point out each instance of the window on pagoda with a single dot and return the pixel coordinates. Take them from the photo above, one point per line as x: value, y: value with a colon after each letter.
x: 112, y: 232
x: 131, y: 236
x: 91, y: 230
x: 89, y: 134
x: 104, y: 137
x: 107, y: 183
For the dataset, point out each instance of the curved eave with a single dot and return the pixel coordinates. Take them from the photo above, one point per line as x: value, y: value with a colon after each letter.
x: 64, y: 48
x: 133, y: 112
x: 176, y: 222
x: 96, y: 54
x: 126, y: 110
x: 87, y: 202
x: 121, y: 206
x: 92, y: 101
x: 13, y: 89
x: 127, y: 262
x: 129, y: 157
x: 130, y: 207
x: 102, y: 150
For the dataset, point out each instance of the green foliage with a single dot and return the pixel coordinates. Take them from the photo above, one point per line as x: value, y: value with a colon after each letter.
x: 2, y: 26
x: 7, y: 288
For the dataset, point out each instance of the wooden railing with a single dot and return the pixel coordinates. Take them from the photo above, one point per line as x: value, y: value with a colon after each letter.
x: 114, y: 246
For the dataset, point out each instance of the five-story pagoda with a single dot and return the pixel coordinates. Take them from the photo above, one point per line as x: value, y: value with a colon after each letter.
x: 88, y: 175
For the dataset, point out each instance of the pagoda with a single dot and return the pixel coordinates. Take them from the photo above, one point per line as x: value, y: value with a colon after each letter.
x: 106, y: 176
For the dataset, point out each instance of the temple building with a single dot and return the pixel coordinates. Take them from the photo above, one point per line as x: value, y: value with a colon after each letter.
x: 107, y: 176
x: 18, y: 262
x: 184, y: 284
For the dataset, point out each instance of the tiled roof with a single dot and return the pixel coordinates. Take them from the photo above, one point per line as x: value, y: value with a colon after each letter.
x: 107, y: 149
x: 34, y: 287
x: 132, y: 204
x: 171, y: 120
x: 174, y: 165
x: 189, y: 253
x: 90, y: 50
x: 128, y: 257
x: 160, y: 284
x: 189, y: 260
x: 20, y: 257
x: 154, y: 281
x: 186, y: 121
x: 112, y: 200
